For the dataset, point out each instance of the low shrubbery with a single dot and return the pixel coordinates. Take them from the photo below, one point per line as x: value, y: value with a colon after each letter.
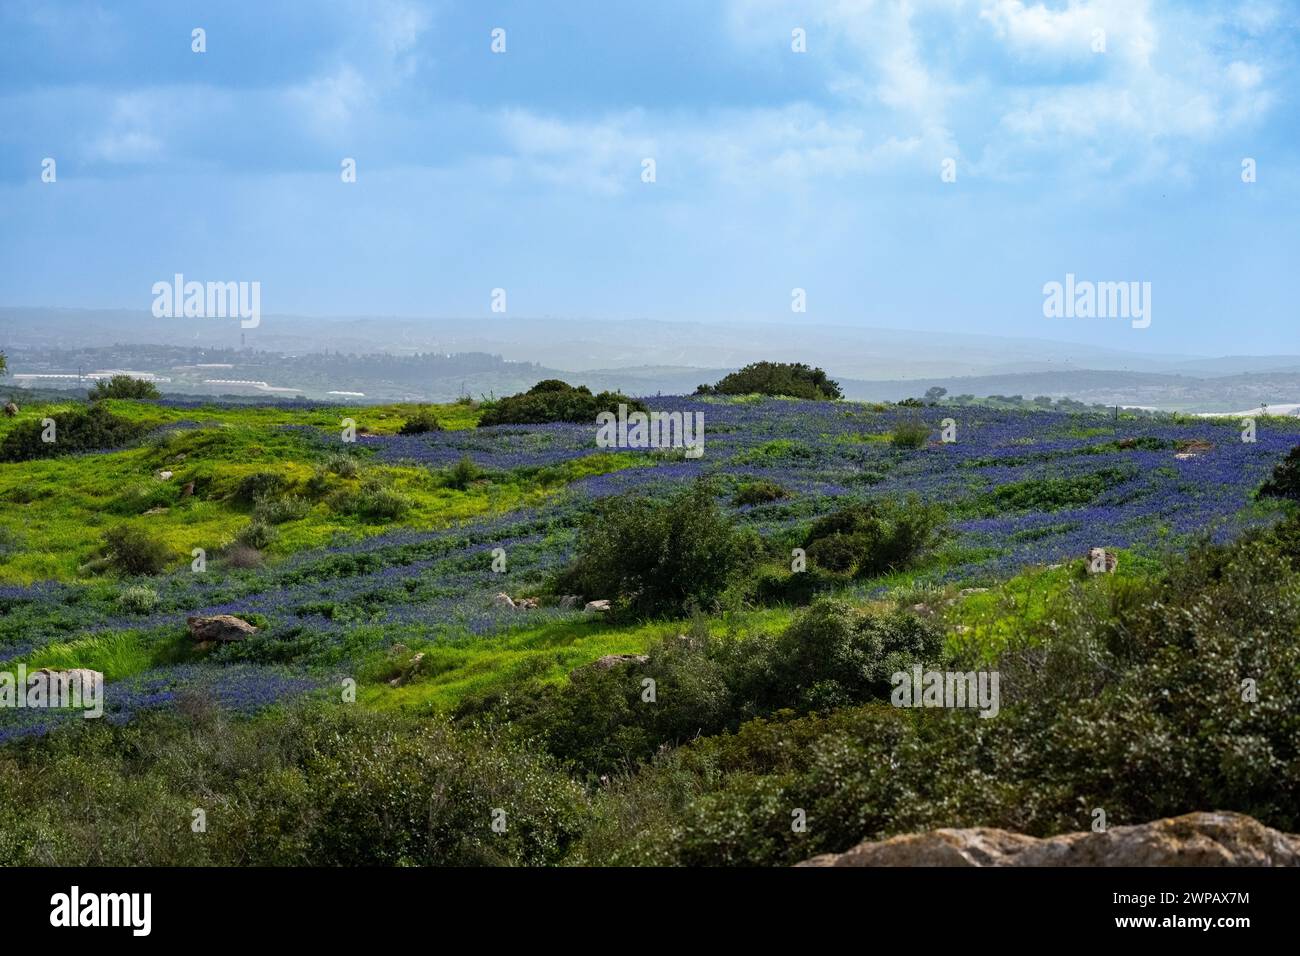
x: 318, y: 784
x: 80, y: 429
x: 555, y: 401
x: 1146, y: 699
x: 600, y: 721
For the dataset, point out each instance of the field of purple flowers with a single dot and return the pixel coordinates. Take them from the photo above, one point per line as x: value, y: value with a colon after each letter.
x: 1021, y: 488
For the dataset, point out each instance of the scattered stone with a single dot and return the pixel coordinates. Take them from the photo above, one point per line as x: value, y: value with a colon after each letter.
x: 527, y: 604
x: 10, y: 409
x: 503, y: 600
x: 1101, y: 561
x: 156, y: 511
x: 966, y: 592
x: 180, y: 457
x: 409, y: 671
x: 1194, y: 839
x: 1191, y: 448
x: 187, y: 489
x: 598, y: 606
x: 164, y: 475
x: 219, y: 628
x: 569, y: 601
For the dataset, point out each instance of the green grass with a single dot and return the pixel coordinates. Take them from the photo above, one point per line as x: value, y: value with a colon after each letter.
x: 59, y: 508
x: 452, y: 672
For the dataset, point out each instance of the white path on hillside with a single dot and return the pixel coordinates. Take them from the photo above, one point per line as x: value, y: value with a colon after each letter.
x: 1293, y: 410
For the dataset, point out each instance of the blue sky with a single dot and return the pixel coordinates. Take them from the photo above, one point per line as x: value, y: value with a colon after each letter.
x: 775, y: 169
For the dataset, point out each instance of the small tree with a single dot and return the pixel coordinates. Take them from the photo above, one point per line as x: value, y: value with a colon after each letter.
x: 1285, y: 480
x: 656, y: 555
x: 123, y: 386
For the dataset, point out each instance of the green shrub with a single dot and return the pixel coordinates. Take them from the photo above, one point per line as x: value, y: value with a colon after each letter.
x: 555, y: 401
x: 131, y: 549
x: 789, y: 379
x: 279, y: 510
x: 345, y: 466
x: 257, y: 535
x: 873, y: 538
x: 260, y: 484
x: 421, y: 422
x: 1053, y: 494
x: 376, y: 499
x: 655, y: 555
x: 910, y: 434
x: 138, y: 600
x: 462, y: 474
x: 758, y: 493
x: 123, y: 386
x: 1285, y: 479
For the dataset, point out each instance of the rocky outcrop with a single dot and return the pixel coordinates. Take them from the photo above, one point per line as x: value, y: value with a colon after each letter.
x: 219, y: 628
x: 1194, y: 839
x: 1101, y: 561
x: 600, y: 607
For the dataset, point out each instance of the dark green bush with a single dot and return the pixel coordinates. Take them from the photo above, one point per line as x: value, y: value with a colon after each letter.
x: 910, y: 434
x: 257, y: 535
x: 123, y: 386
x: 421, y: 422
x: 759, y: 492
x: 271, y: 510
x: 555, y: 401
x: 789, y: 379
x: 132, y: 549
x: 871, y: 538
x: 377, y: 500
x: 462, y: 474
x: 655, y: 555
x: 600, y: 722
x: 260, y: 485
x: 1285, y: 480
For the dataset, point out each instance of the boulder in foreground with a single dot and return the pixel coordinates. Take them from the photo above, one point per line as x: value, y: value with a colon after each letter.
x: 221, y: 628
x: 1194, y: 839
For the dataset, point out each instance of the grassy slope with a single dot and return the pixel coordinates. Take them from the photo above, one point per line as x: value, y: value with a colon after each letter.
x: 66, y: 503
x: 59, y: 508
